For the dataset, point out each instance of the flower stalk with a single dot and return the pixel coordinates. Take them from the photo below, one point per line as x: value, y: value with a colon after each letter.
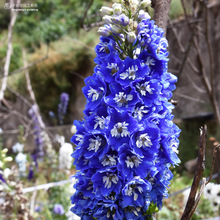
x: 127, y: 141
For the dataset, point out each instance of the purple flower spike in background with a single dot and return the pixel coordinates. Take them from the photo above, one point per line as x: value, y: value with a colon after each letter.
x: 127, y: 140
x: 62, y: 108
x: 58, y: 209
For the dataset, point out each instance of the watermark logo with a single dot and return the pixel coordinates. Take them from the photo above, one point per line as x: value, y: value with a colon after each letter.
x: 8, y: 5
x: 21, y: 6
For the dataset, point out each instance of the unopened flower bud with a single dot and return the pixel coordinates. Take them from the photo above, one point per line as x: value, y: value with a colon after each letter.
x: 131, y: 37
x: 115, y: 20
x: 115, y: 29
x: 145, y: 3
x: 143, y: 15
x: 124, y: 20
x: 107, y: 19
x: 117, y: 8
x: 104, y: 31
x: 122, y: 37
x: 106, y: 10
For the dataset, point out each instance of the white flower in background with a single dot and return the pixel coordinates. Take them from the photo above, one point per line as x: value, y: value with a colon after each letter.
x: 60, y: 139
x: 65, y: 159
x: 1, y: 130
x: 17, y: 148
x: 72, y: 216
x: 21, y: 160
x: 7, y: 172
x: 212, y: 193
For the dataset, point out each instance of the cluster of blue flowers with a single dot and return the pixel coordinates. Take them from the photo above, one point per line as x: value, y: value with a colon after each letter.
x: 127, y: 141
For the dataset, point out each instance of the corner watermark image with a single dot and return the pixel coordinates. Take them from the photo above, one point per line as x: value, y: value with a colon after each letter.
x: 21, y: 6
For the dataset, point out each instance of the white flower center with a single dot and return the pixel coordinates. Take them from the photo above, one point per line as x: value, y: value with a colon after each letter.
x: 94, y: 94
x: 109, y: 179
x: 120, y: 130
x: 122, y: 99
x: 79, y: 137
x: 109, y: 160
x: 144, y: 88
x: 113, y: 67
x: 150, y: 61
x: 143, y: 141
x: 95, y: 144
x: 99, y: 121
x: 139, y: 111
x: 131, y: 191
x: 104, y: 47
x: 133, y: 161
x: 130, y: 73
x: 174, y: 145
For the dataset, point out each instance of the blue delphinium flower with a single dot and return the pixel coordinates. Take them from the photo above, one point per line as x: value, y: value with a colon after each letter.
x: 58, y: 209
x: 62, y: 107
x: 127, y: 141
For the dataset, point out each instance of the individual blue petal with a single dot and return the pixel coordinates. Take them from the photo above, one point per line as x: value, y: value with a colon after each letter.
x: 106, y: 181
x: 146, y: 141
x: 131, y: 164
x: 135, y: 192
x: 109, y: 69
x: 121, y: 127
x: 94, y: 91
x: 97, y: 122
x: 120, y: 98
x: 77, y: 138
x: 93, y: 145
x: 109, y: 211
x: 158, y: 48
x: 157, y: 67
x: 132, y: 71
x: 105, y: 47
x: 147, y: 90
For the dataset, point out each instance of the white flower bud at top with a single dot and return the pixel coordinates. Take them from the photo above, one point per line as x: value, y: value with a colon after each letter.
x: 135, y: 24
x: 124, y: 20
x: 122, y: 37
x: 107, y: 19
x: 106, y: 10
x: 145, y: 3
x: 104, y: 31
x: 117, y: 8
x: 134, y: 2
x: 131, y: 37
x: 115, y: 29
x: 115, y: 20
x: 143, y: 15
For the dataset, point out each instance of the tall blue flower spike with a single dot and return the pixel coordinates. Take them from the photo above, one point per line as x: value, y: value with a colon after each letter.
x: 127, y: 141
